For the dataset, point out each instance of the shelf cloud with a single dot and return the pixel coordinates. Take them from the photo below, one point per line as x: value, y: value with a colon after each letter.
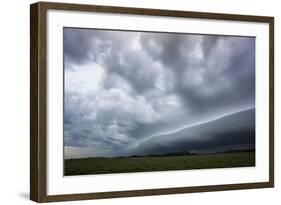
x: 122, y: 87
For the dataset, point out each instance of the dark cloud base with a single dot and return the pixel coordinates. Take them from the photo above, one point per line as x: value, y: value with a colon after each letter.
x: 123, y: 87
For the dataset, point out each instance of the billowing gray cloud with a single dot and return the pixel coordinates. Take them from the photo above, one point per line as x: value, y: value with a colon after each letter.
x: 124, y: 87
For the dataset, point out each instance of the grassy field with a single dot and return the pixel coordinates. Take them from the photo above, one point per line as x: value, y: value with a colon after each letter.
x: 144, y: 164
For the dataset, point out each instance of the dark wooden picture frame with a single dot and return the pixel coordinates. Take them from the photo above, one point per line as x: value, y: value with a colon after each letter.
x: 38, y: 101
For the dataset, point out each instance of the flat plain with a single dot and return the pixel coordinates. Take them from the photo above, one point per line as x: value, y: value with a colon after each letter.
x: 100, y: 165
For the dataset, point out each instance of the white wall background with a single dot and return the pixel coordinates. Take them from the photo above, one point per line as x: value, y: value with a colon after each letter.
x: 14, y: 101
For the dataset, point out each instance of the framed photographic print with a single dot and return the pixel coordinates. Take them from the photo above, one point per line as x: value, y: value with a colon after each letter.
x: 135, y: 102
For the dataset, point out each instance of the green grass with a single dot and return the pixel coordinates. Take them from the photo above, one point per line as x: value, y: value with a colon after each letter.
x: 144, y: 164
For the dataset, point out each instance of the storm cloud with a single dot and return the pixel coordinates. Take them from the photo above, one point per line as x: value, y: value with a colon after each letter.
x: 122, y: 87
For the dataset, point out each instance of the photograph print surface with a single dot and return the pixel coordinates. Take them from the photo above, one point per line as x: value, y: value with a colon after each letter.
x: 137, y: 101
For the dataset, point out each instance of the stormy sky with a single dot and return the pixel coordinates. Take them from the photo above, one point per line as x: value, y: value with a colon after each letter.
x: 123, y: 87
